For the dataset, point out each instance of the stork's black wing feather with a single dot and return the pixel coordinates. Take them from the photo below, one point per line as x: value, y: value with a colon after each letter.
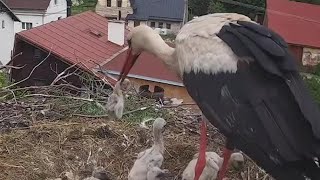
x: 283, y: 65
x: 264, y: 31
x: 255, y: 27
x: 264, y: 108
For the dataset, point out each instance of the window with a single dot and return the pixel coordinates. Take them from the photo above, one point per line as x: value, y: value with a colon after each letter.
x: 108, y: 3
x: 26, y: 25
x: 55, y: 2
x: 168, y: 25
x: 119, y: 3
x: 136, y: 23
x: 153, y: 24
x: 160, y: 25
x: 2, y: 24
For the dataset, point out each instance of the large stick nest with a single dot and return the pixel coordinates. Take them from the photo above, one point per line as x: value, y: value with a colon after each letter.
x: 43, y: 137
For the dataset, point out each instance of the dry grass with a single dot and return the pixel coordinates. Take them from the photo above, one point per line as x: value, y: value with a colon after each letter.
x: 48, y: 150
x: 40, y: 138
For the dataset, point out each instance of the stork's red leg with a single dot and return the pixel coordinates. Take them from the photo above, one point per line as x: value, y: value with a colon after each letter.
x: 201, y: 163
x: 226, y: 157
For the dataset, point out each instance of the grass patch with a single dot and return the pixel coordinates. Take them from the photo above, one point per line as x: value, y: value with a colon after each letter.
x: 134, y: 102
x: 91, y: 108
x: 4, y: 79
x: 88, y: 5
x: 170, y: 37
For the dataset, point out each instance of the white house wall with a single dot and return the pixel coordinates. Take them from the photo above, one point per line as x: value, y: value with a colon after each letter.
x: 6, y: 37
x: 175, y: 26
x: 35, y: 18
x: 55, y: 11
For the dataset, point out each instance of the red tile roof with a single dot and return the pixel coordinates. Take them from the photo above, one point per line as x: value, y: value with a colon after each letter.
x: 147, y: 65
x: 73, y: 39
x: 28, y: 4
x: 298, y: 23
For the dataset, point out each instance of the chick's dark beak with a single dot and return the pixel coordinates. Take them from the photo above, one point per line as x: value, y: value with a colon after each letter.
x: 130, y: 60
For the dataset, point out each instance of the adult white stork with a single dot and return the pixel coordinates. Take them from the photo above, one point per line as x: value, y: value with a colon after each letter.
x: 244, y: 79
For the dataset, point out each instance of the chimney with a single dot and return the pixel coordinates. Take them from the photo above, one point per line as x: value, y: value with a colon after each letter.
x: 116, y: 29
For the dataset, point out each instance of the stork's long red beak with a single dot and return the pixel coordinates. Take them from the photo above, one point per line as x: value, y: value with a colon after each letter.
x: 130, y: 60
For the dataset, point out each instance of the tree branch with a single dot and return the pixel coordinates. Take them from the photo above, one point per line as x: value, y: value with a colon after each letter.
x: 34, y: 68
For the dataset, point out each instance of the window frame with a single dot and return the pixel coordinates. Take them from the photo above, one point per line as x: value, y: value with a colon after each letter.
x: 119, y: 3
x: 136, y: 23
x: 168, y: 25
x: 27, y: 25
x: 160, y: 25
x: 152, y: 24
x: 109, y: 4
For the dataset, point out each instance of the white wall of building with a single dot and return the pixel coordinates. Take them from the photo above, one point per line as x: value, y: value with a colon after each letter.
x: 35, y: 18
x: 56, y: 9
x: 6, y: 37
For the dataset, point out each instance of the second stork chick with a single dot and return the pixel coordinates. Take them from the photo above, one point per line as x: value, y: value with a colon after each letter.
x: 115, y: 104
x: 149, y: 162
x: 213, y: 165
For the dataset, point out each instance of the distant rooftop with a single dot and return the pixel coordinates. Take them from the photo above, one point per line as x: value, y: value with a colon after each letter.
x: 298, y: 23
x: 82, y: 38
x: 168, y: 10
x: 3, y: 5
x: 41, y: 5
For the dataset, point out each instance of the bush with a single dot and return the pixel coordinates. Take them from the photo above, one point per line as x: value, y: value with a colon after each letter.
x: 313, y: 84
x: 4, y: 79
x: 317, y: 70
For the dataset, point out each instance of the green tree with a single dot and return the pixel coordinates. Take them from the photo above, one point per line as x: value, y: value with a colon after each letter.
x: 202, y: 7
x: 198, y: 7
x: 216, y: 7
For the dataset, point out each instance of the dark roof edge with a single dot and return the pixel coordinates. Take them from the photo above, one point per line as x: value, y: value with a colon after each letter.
x: 165, y: 19
x: 13, y: 16
x: 28, y: 9
x: 154, y: 18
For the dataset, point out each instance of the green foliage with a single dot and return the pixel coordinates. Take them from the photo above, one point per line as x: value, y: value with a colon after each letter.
x: 171, y: 37
x: 88, y: 5
x: 316, y: 70
x: 198, y: 7
x: 314, y: 86
x: 216, y: 7
x: 91, y: 108
x: 4, y: 79
x: 134, y: 102
x: 202, y: 7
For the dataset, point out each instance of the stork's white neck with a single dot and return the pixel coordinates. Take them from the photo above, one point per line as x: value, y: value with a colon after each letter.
x: 163, y: 51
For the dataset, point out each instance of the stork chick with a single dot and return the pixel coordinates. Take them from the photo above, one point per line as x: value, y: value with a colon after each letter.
x: 115, y: 104
x: 213, y: 165
x: 148, y: 163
